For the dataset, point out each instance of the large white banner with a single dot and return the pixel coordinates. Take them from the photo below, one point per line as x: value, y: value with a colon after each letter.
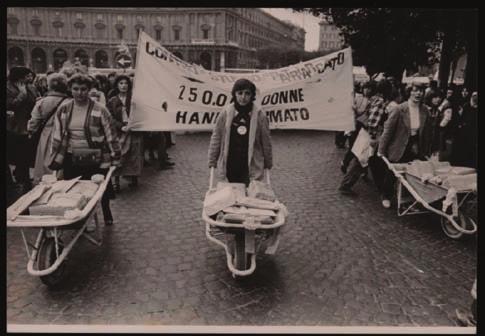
x: 170, y: 94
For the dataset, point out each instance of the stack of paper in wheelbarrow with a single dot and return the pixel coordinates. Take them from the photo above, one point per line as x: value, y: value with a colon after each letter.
x: 261, y: 190
x: 62, y: 196
x: 231, y: 204
x: 219, y: 199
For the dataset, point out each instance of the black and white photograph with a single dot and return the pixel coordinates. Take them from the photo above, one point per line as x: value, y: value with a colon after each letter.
x: 241, y: 169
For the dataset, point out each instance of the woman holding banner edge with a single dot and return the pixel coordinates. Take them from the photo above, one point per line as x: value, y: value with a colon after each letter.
x: 131, y: 142
x: 240, y: 144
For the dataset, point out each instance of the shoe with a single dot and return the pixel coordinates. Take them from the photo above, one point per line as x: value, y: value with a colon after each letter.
x: 347, y: 191
x: 386, y: 203
x: 108, y: 222
x: 343, y: 168
x: 169, y: 163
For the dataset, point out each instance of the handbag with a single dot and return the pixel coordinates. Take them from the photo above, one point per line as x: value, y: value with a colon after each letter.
x: 86, y: 157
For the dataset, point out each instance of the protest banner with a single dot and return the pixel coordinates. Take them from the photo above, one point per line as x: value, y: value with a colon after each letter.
x: 171, y: 94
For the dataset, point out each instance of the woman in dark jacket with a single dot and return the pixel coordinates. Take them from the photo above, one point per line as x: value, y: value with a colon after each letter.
x: 131, y: 142
x: 20, y: 101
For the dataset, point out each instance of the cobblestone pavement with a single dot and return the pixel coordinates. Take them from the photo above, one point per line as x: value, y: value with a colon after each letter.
x: 341, y: 261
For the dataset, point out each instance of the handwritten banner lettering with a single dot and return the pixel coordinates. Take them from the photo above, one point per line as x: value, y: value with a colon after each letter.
x: 171, y: 94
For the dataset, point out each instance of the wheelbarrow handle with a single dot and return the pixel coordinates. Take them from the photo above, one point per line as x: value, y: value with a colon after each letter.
x: 211, y: 178
x: 386, y: 161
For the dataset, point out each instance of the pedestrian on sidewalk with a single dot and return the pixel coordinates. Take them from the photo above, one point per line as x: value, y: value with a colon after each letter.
x: 240, y: 145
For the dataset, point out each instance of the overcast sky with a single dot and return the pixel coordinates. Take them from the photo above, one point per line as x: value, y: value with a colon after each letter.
x: 306, y: 21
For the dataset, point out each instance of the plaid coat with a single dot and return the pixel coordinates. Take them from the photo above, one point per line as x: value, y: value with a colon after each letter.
x: 98, y: 128
x: 376, y: 116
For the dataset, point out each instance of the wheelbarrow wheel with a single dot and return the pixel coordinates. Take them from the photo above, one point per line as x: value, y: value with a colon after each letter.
x: 449, y: 229
x: 47, y: 257
x: 240, y: 255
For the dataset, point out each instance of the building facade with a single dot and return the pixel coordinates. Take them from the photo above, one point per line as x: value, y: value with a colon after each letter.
x: 329, y: 37
x: 216, y: 38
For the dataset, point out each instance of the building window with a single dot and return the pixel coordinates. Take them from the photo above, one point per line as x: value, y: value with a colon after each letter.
x: 79, y: 32
x: 120, y: 33
x: 158, y: 34
x: 36, y: 30
x: 176, y: 33
x: 58, y: 27
x: 100, y: 33
x: 99, y: 16
x: 13, y: 28
x: 120, y: 18
x: 205, y: 34
x: 13, y: 22
x: 79, y: 16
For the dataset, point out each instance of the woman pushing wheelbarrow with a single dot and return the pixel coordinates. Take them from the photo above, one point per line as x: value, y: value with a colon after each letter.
x: 240, y: 147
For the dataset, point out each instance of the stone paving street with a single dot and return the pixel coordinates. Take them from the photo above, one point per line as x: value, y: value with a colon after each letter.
x: 342, y: 261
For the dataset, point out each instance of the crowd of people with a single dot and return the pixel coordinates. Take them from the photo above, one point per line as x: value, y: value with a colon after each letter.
x: 73, y: 123
x: 406, y: 123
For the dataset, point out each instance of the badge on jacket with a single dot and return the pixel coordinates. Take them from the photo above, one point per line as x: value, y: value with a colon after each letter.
x: 242, y: 130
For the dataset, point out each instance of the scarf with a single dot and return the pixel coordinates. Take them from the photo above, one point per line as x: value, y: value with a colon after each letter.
x: 243, y: 109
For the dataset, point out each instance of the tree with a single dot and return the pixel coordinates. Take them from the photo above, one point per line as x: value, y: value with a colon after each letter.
x: 269, y: 57
x: 392, y: 39
x: 276, y: 57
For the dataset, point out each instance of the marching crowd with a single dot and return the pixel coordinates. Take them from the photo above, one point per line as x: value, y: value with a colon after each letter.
x: 93, y: 110
x: 405, y: 123
x: 71, y: 123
